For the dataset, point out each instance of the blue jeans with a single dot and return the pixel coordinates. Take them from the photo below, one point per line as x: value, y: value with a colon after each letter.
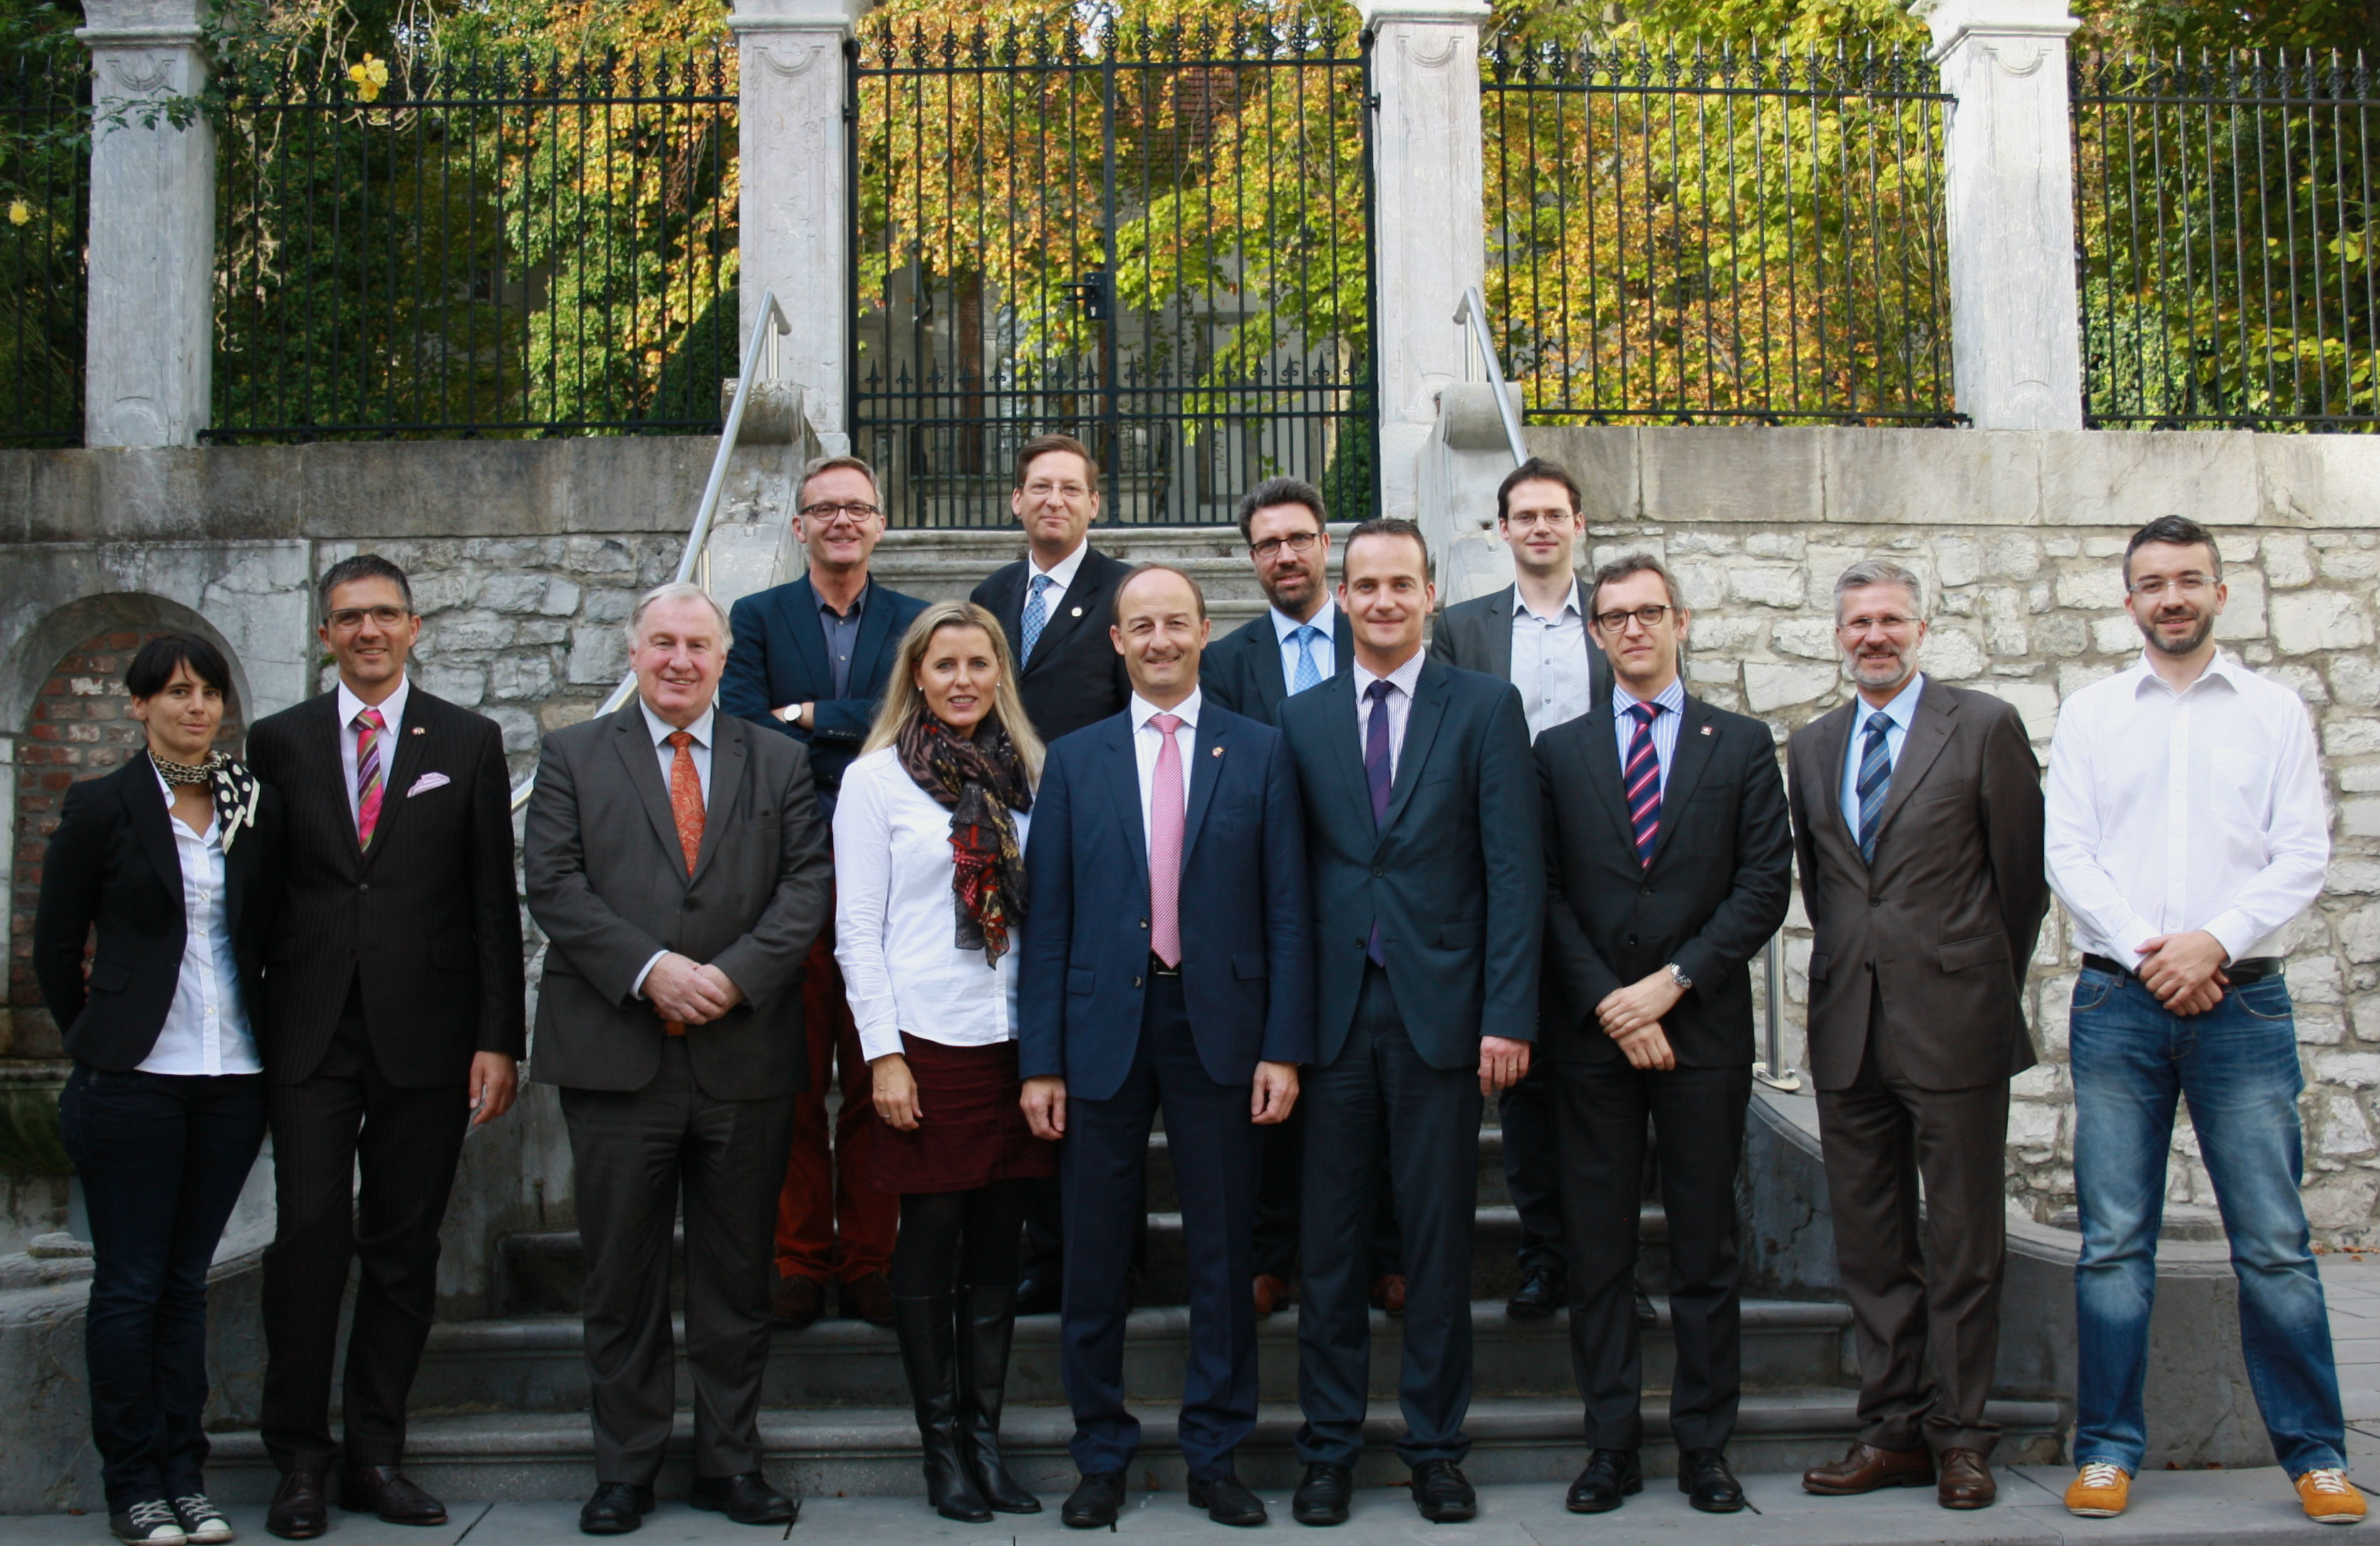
x: 2238, y: 1065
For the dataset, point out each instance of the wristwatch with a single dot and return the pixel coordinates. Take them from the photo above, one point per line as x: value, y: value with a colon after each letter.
x: 1685, y: 983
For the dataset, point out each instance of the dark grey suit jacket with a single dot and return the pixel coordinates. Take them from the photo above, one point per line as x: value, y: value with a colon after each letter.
x: 607, y: 883
x: 1477, y: 635
x: 1945, y: 921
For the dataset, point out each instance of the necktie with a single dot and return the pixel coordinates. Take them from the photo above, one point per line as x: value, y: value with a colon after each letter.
x: 1036, y: 613
x: 686, y: 806
x: 1378, y: 774
x: 1874, y: 782
x: 1165, y: 818
x: 1309, y: 674
x: 370, y: 726
x: 1641, y: 779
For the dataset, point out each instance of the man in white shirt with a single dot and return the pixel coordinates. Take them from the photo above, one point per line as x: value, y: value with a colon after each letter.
x: 2185, y: 830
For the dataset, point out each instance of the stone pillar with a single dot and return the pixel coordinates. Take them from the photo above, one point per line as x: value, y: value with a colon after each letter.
x: 1429, y: 229
x: 796, y: 212
x: 2015, y: 327
x: 148, y: 345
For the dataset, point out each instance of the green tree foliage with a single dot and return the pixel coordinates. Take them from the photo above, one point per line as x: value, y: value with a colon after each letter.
x: 44, y: 183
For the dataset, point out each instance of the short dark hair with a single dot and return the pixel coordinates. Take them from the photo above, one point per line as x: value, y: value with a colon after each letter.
x: 1041, y: 445
x: 1537, y: 469
x: 2180, y: 531
x: 1115, y: 602
x: 153, y: 664
x: 1280, y: 491
x: 363, y: 565
x: 1392, y: 526
x: 1621, y: 568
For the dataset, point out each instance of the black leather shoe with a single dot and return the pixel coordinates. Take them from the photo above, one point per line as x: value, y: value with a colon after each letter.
x: 1095, y: 1503
x: 616, y: 1508
x: 300, y: 1508
x: 1226, y: 1501
x: 1037, y: 1296
x: 1323, y: 1496
x: 745, y: 1497
x: 1611, y: 1475
x: 1703, y: 1478
x: 1646, y: 1314
x: 382, y: 1489
x: 1542, y: 1291
x: 1444, y: 1493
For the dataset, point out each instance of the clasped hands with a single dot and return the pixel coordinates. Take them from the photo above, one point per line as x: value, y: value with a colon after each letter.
x: 685, y: 990
x: 1632, y: 1017
x: 2185, y: 971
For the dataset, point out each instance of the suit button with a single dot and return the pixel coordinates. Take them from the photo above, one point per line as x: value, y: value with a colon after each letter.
x: 1875, y: 901
x: 1647, y: 892
x: 1378, y: 871
x: 363, y: 885
x: 1144, y: 923
x: 691, y: 904
x: 1136, y: 981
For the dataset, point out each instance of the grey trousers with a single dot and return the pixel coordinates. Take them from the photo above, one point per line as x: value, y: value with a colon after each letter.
x: 632, y: 1153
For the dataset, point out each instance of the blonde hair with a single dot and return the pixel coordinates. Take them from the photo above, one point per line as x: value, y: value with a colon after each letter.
x: 904, y: 702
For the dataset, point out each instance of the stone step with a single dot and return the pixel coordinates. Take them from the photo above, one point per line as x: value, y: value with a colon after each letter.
x: 535, y: 1363
x: 942, y: 565
x: 509, y: 1456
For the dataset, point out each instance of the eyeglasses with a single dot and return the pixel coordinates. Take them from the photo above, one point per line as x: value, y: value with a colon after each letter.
x: 348, y: 619
x: 2191, y: 584
x: 826, y: 512
x: 1040, y: 489
x: 1890, y: 621
x: 1269, y: 549
x: 1525, y: 519
x: 1650, y: 616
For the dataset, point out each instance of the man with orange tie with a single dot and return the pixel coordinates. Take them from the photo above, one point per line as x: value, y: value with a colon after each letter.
x: 676, y: 860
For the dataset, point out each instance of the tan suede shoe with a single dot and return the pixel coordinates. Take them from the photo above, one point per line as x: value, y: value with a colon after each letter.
x: 2100, y: 1490
x: 2330, y: 1498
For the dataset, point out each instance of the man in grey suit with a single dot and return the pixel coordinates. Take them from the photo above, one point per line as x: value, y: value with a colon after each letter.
x: 1917, y: 827
x: 676, y: 860
x: 1533, y: 636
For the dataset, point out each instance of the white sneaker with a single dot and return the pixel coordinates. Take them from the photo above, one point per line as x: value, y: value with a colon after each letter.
x: 149, y: 1522
x: 202, y: 1522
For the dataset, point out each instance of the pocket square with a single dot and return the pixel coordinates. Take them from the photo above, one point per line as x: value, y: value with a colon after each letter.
x: 428, y: 782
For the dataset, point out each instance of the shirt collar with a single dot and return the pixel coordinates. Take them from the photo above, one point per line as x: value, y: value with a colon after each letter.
x: 1671, y: 697
x: 1404, y: 678
x: 1063, y: 571
x: 1143, y: 710
x: 168, y: 790
x: 858, y: 603
x: 1571, y: 605
x: 1283, y: 625
x: 2222, y: 667
x: 392, y: 707
x: 660, y: 729
x: 1901, y: 710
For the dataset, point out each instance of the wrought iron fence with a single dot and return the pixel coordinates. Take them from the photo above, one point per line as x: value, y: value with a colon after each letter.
x: 1155, y: 238
x: 483, y: 245
x: 2225, y: 221
x: 45, y: 195
x: 1721, y: 237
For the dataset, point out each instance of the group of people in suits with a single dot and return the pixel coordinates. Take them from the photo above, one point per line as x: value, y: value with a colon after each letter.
x: 1030, y: 872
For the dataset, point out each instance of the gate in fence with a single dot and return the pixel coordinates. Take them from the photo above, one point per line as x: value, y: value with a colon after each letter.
x: 1157, y: 239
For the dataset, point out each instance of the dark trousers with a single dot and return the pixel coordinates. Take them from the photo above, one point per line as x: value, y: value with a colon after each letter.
x: 1377, y: 1091
x: 1532, y: 1167
x: 1912, y: 1285
x: 1698, y: 1117
x: 406, y: 1142
x: 161, y: 1158
x: 632, y: 1154
x: 1281, y: 1190
x: 1102, y: 1170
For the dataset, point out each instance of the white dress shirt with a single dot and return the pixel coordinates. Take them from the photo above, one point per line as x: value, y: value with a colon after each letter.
x: 1060, y: 576
x: 896, y: 926
x: 661, y: 730
x: 206, y: 1029
x: 1326, y: 648
x: 392, y: 710
x: 1403, y: 679
x: 2169, y: 812
x: 1549, y: 662
x: 1903, y: 711
x: 1666, y: 724
x: 1145, y: 744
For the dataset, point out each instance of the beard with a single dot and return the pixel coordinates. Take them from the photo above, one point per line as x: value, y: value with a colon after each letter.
x: 1868, y: 671
x: 2188, y: 643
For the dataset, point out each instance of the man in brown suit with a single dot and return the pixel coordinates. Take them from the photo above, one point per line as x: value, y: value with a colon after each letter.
x: 1917, y: 826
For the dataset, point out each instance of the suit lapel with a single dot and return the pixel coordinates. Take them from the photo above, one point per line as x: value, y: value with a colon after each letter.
x: 728, y: 754
x: 1343, y: 741
x: 1271, y: 687
x: 1686, y: 765
x: 1078, y: 603
x: 1123, y: 792
x: 1343, y: 642
x: 414, y: 733
x: 644, y: 772
x: 801, y: 612
x: 1206, y: 770
x: 1421, y: 729
x: 1927, y: 737
x: 146, y: 809
x: 1603, y: 767
x: 322, y: 740
x: 875, y: 636
x: 1499, y: 627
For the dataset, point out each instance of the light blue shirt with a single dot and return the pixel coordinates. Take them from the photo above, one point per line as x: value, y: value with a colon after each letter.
x: 1902, y: 711
x: 1666, y: 724
x: 1326, y: 648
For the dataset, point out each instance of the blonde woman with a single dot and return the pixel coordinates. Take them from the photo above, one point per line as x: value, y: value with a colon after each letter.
x: 929, y: 895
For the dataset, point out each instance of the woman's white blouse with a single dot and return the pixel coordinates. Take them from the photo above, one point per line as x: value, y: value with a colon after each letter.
x: 896, y: 923
x: 206, y: 1029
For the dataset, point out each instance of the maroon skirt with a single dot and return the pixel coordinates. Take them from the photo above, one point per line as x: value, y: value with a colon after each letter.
x: 971, y: 1131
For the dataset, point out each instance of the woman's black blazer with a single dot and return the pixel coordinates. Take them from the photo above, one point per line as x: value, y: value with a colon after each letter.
x: 113, y: 863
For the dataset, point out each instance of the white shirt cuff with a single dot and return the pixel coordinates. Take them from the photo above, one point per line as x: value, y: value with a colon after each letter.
x: 639, y: 990
x: 2233, y: 931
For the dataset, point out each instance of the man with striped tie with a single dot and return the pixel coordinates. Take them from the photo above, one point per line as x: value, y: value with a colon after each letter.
x: 1669, y: 862
x: 1917, y: 821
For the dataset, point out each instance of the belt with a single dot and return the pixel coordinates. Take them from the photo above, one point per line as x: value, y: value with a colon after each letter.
x: 1158, y: 968
x: 2252, y: 968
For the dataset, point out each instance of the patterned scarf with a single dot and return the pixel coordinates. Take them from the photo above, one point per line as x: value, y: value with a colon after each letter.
x: 233, y: 787
x: 981, y: 781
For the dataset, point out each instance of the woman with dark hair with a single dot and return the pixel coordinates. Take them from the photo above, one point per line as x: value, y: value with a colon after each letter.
x: 165, y: 1110
x: 929, y: 895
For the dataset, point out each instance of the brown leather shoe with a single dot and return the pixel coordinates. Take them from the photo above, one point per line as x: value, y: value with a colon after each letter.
x: 1271, y: 1294
x: 1966, y: 1481
x: 382, y: 1489
x: 1867, y: 1469
x: 798, y: 1302
x: 1389, y: 1293
x: 869, y: 1298
x: 299, y: 1510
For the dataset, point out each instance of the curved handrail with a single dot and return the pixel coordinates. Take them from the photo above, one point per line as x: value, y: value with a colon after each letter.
x: 1471, y: 310
x: 772, y: 320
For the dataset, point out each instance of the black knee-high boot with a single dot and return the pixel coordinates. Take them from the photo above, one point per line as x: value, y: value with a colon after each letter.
x: 928, y: 1334
x: 987, y: 1326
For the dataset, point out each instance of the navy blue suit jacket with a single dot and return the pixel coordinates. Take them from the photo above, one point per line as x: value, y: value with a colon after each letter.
x: 780, y: 657
x: 1247, y: 971
x: 1455, y: 875
x: 1243, y: 671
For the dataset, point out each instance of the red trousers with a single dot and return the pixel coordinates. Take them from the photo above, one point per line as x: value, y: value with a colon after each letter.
x: 832, y: 1224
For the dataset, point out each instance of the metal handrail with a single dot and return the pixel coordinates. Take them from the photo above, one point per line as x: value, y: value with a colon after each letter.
x: 765, y: 330
x: 1472, y: 311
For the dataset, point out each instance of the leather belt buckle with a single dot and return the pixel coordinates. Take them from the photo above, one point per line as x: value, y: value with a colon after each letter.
x: 1158, y: 968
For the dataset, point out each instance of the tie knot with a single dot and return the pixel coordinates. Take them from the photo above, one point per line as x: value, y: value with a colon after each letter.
x: 679, y: 738
x: 1878, y: 723
x: 1041, y: 583
x: 1166, y: 724
x: 371, y: 719
x: 1305, y: 633
x: 1645, y: 713
x: 1379, y: 691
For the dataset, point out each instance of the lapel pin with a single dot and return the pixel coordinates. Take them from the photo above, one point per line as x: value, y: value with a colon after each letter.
x: 1217, y: 752
x: 1077, y: 612
x: 1707, y: 729
x: 419, y: 731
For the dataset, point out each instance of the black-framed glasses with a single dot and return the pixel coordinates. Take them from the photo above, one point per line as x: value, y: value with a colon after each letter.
x: 1650, y: 615
x: 348, y: 619
x: 1299, y: 541
x: 827, y: 511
